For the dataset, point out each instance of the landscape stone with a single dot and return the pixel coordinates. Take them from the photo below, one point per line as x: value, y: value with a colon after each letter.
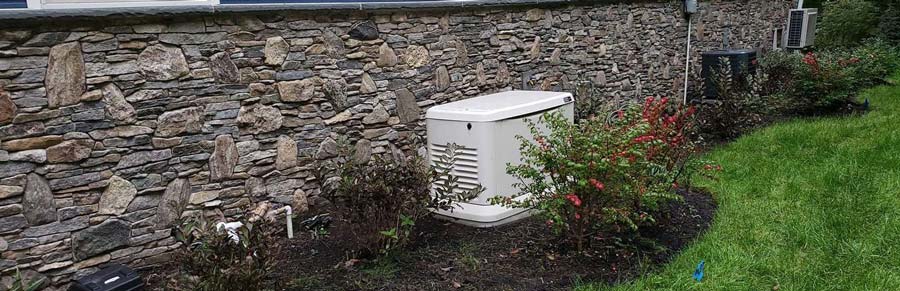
x: 70, y: 151
x: 300, y: 90
x: 172, y: 203
x: 162, y: 63
x: 333, y: 43
x: 118, y: 194
x: 287, y: 153
x: 299, y: 201
x: 7, y: 108
x: 65, y: 80
x: 223, y: 159
x: 368, y: 85
x: 117, y: 108
x: 258, y: 118
x: 362, y: 152
x: 38, y: 202
x: 95, y: 240
x: 40, y: 142
x: 336, y: 91
x: 176, y: 122
x: 407, y: 108
x: 276, y: 50
x: 378, y: 115
x: 386, y: 56
x: 327, y: 149
x: 416, y: 56
x: 441, y: 78
x: 224, y: 69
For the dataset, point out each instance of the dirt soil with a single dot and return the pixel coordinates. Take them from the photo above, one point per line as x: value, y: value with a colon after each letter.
x: 521, y: 256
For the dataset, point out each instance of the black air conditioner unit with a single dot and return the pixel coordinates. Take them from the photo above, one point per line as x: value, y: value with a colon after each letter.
x: 741, y: 62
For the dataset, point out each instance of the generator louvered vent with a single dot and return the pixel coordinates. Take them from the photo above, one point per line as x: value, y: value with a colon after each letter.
x: 801, y: 30
x: 465, y: 167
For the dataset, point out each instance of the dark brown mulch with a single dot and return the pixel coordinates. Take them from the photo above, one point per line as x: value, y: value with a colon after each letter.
x: 520, y: 256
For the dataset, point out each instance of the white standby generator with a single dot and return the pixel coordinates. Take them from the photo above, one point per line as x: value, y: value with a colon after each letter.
x: 485, y: 130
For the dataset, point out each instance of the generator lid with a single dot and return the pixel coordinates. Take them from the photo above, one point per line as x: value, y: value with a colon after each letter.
x: 499, y: 106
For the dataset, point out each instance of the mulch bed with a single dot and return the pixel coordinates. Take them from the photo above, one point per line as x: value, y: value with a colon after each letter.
x: 520, y: 256
x: 524, y: 255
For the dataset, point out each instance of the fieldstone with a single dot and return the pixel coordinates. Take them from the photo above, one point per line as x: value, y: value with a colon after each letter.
x: 118, y: 194
x: 162, y: 63
x: 480, y: 74
x: 93, y: 95
x: 173, y: 202
x: 362, y: 152
x: 378, y: 115
x: 10, y: 191
x: 327, y: 149
x: 70, y: 151
x: 95, y: 240
x: 65, y: 79
x: 535, y: 48
x: 47, y: 39
x: 300, y: 90
x: 416, y: 56
x: 223, y: 159
x: 503, y: 77
x: 336, y: 91
x: 3, y: 245
x: 287, y: 153
x: 534, y: 14
x: 7, y: 108
x: 10, y: 210
x: 276, y: 50
x: 175, y: 122
x: 117, y: 108
x: 120, y: 131
x: 31, y: 156
x: 442, y: 78
x: 462, y: 54
x: 192, y: 38
x: 38, y: 202
x: 555, y: 56
x: 386, y: 56
x: 365, y: 30
x: 143, y: 157
x: 9, y: 169
x: 333, y: 43
x: 340, y: 117
x: 251, y: 23
x: 368, y: 85
x: 11, y: 223
x: 407, y: 108
x: 40, y: 142
x: 300, y: 202
x: 259, y: 118
x: 203, y: 197
x: 224, y: 69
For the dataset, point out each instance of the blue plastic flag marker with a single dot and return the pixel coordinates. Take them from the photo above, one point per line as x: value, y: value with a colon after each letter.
x: 698, y: 273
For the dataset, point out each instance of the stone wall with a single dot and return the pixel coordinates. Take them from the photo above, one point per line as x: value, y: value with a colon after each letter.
x: 111, y: 129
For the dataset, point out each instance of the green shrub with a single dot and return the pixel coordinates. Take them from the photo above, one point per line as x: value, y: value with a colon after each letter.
x: 382, y: 200
x: 745, y: 102
x: 212, y: 260
x: 845, y: 23
x: 603, y: 174
x: 889, y: 26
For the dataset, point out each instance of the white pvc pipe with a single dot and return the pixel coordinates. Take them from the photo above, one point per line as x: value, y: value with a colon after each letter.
x: 687, y: 59
x: 288, y: 212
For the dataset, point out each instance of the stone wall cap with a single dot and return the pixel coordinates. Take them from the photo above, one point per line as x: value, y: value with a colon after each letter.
x: 44, y: 14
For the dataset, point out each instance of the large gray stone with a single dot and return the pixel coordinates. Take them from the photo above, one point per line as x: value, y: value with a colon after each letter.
x: 9, y: 169
x: 276, y: 51
x: 286, y: 149
x: 378, y: 115
x: 95, y: 240
x: 367, y: 85
x: 300, y: 90
x: 333, y: 43
x: 118, y: 194
x: 336, y: 90
x: 11, y: 223
x: 65, y: 80
x: 47, y: 39
x: 386, y: 56
x: 223, y: 159
x: 39, y: 206
x: 117, y: 108
x: 407, y: 108
x: 365, y: 30
x: 175, y: 122
x: 259, y: 118
x: 173, y: 202
x: 327, y: 149
x: 70, y: 151
x: 441, y: 78
x: 362, y: 152
x: 162, y: 63
x: 31, y: 156
x: 224, y: 69
x: 7, y: 108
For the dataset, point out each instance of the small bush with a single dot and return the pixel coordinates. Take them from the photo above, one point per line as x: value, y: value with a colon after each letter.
x: 212, y: 260
x: 382, y: 200
x: 744, y: 101
x: 845, y: 23
x: 603, y: 174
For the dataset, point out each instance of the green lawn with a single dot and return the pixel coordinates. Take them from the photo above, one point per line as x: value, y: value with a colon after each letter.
x: 804, y: 205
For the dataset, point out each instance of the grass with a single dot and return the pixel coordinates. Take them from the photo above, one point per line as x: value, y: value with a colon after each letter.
x: 804, y: 205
